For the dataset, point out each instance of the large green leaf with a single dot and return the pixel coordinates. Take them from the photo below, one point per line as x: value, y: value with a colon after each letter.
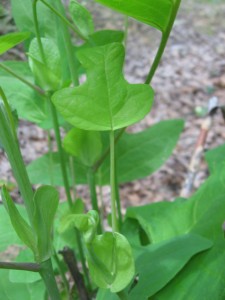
x: 159, y: 263
x: 10, y: 40
x: 15, y: 291
x: 105, y: 101
x: 202, y: 278
x: 156, y: 13
x: 46, y: 200
x: 155, y: 145
x: 140, y: 154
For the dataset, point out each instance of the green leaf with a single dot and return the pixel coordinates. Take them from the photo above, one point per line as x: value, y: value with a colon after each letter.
x: 81, y: 18
x: 202, y: 278
x: 156, y: 13
x: 8, y: 235
x: 214, y: 158
x: 140, y: 154
x: 15, y: 291
x: 24, y: 276
x: 104, y: 37
x: 109, y: 102
x: 111, y: 261
x: 103, y: 294
x: 29, y: 104
x: 159, y: 263
x: 10, y: 40
x: 23, y: 230
x: 47, y: 72
x: 46, y: 200
x: 83, y: 144
x: 85, y: 223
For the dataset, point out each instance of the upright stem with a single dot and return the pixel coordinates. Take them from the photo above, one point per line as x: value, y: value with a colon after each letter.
x: 164, y: 39
x: 61, y: 153
x: 94, y: 200
x: 48, y: 277
x: 112, y: 182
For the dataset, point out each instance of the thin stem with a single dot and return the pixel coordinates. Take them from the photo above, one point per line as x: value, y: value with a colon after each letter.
x: 106, y: 153
x: 73, y: 177
x: 61, y: 153
x: 48, y: 277
x: 94, y: 200
x: 112, y: 182
x: 31, y: 85
x: 164, y: 39
x: 37, y: 32
x: 32, y: 267
x: 50, y: 156
x: 118, y: 204
x: 70, y: 25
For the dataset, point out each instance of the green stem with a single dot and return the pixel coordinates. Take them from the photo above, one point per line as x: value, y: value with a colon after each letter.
x: 112, y: 182
x: 32, y: 267
x: 164, y: 39
x: 66, y: 22
x: 73, y: 177
x: 94, y: 200
x: 118, y: 204
x: 61, y: 153
x: 48, y: 277
x: 11, y: 147
x: 31, y: 85
x: 37, y: 32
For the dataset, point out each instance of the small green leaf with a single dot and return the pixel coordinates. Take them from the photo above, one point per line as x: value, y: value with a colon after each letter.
x: 104, y: 37
x: 47, y: 69
x: 157, y: 264
x: 10, y: 40
x: 81, y: 18
x: 23, y: 230
x: 106, y: 101
x: 85, y: 223
x: 111, y: 261
x: 83, y: 144
x: 46, y: 200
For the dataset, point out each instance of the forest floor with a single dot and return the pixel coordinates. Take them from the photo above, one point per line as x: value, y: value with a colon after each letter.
x: 191, y: 72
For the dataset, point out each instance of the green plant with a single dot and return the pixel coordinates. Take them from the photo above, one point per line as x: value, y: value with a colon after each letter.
x: 159, y: 251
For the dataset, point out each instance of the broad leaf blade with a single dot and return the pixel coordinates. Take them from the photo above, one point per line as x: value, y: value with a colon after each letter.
x: 10, y: 40
x: 155, y: 13
x: 159, y: 263
x: 46, y: 200
x: 105, y: 101
x: 23, y: 230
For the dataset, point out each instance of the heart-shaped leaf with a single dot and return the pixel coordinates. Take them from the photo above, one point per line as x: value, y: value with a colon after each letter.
x: 106, y: 101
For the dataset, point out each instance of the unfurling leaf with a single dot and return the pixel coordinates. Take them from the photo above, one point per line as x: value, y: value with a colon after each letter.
x: 106, y: 101
x: 110, y: 261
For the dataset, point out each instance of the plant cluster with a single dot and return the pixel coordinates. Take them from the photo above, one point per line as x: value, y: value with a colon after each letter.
x: 166, y: 250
